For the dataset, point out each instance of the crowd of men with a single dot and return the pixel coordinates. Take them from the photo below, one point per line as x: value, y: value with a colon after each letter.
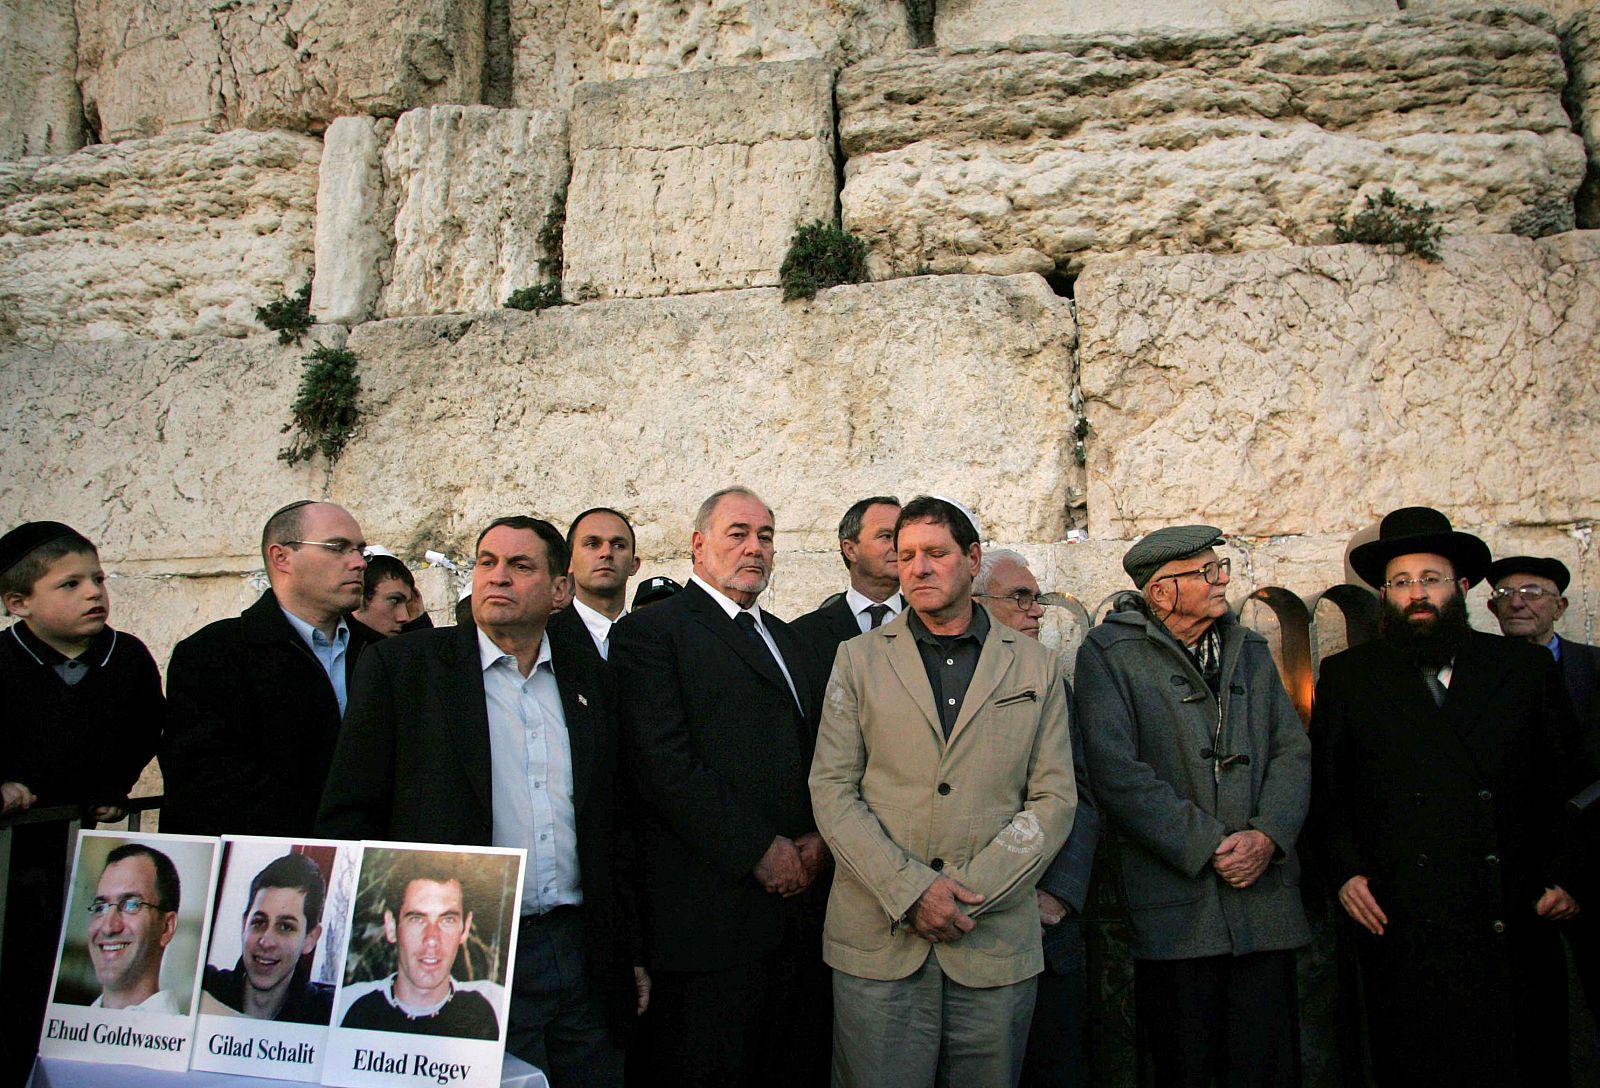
x: 854, y: 847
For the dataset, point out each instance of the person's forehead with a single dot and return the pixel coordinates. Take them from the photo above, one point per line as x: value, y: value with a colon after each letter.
x: 507, y: 542
x: 925, y: 532
x: 72, y: 563
x: 392, y: 585
x: 324, y: 521
x: 602, y: 525
x: 1517, y: 579
x: 1420, y: 561
x: 1010, y: 576
x: 742, y: 510
x: 136, y: 874
x: 435, y: 892
x: 880, y: 513
x: 275, y: 901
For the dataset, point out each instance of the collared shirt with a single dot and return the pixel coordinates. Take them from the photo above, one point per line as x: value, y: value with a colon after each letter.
x: 950, y: 661
x: 732, y: 608
x: 70, y: 669
x: 1555, y: 645
x: 599, y: 625
x: 330, y: 655
x: 859, y: 603
x: 530, y: 774
x: 162, y: 1001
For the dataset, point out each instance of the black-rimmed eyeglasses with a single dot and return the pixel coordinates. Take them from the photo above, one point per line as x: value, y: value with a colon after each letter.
x: 1213, y: 572
x: 129, y: 905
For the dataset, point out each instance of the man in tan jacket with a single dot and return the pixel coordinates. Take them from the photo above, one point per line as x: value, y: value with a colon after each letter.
x: 943, y: 784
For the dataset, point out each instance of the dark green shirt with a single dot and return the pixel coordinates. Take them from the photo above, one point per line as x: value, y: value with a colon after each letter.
x: 950, y: 661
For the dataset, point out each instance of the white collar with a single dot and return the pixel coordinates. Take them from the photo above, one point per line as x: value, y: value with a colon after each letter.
x: 489, y: 654
x: 859, y: 602
x: 729, y: 605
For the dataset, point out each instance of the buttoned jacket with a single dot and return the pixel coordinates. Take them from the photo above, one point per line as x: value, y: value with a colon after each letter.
x: 899, y: 804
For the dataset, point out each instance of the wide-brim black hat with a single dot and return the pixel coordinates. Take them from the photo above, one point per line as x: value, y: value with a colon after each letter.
x: 1542, y: 566
x: 1413, y: 529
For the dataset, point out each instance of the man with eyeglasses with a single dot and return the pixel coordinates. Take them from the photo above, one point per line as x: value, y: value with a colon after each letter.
x: 132, y: 919
x: 1057, y: 1054
x: 1528, y: 600
x: 1200, y: 762
x: 1443, y: 756
x: 254, y: 701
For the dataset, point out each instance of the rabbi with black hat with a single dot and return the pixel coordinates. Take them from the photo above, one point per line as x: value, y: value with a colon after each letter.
x: 1442, y: 758
x: 1202, y: 767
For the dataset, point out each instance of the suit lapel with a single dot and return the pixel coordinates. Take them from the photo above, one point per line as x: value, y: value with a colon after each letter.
x: 1401, y: 685
x: 711, y: 616
x: 993, y: 662
x: 907, y: 665
x: 1473, y: 683
x: 793, y: 656
x: 461, y: 701
x: 578, y: 692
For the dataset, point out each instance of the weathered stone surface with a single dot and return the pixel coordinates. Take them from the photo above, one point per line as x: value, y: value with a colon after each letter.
x: 180, y: 235
x: 40, y: 111
x: 696, y: 182
x: 1049, y: 153
x: 560, y: 43
x: 1312, y: 390
x: 295, y: 64
x: 961, y: 22
x: 1581, y: 43
x: 354, y: 236
x: 471, y: 189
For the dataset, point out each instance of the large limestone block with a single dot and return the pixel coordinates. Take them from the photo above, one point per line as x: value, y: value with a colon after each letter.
x: 40, y: 110
x: 1581, y: 40
x: 696, y: 182
x: 949, y: 384
x: 1048, y: 153
x: 355, y: 233
x: 162, y: 452
x: 1312, y: 390
x: 559, y: 43
x: 180, y: 235
x: 149, y: 68
x: 962, y: 22
x: 472, y: 188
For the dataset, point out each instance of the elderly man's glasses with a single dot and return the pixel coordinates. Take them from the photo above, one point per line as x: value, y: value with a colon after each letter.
x: 1529, y: 594
x: 129, y: 905
x: 1213, y: 572
x: 342, y: 548
x: 1025, y: 600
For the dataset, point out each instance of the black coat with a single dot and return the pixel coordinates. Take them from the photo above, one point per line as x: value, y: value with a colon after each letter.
x: 412, y: 765
x: 720, y: 754
x: 251, y: 725
x: 1580, y: 671
x: 1454, y: 815
x: 824, y: 628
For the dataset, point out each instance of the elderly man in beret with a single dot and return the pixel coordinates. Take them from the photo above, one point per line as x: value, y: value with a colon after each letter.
x: 1202, y: 767
x: 1443, y: 756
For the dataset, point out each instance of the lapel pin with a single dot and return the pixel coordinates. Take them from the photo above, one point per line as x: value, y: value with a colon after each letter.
x: 582, y: 701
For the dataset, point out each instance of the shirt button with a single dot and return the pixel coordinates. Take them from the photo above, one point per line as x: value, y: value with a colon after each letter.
x: 952, y: 702
x: 936, y: 864
x: 543, y: 837
x: 1485, y: 795
x: 1498, y: 926
x: 949, y: 661
x: 944, y: 788
x: 1493, y: 859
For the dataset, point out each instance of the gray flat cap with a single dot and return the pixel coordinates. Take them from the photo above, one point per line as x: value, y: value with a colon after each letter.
x: 1164, y: 545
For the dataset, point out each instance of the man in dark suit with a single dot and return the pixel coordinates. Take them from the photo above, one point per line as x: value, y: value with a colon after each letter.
x: 1528, y: 598
x: 866, y: 544
x: 500, y: 733
x: 719, y: 702
x: 254, y: 702
x: 1442, y: 759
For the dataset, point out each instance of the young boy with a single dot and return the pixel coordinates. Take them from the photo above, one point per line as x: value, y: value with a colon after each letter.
x: 83, y: 710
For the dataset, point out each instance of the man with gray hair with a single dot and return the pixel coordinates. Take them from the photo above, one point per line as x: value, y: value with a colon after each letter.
x: 1057, y: 1055
x: 254, y: 701
x: 719, y: 703
x: 1202, y: 765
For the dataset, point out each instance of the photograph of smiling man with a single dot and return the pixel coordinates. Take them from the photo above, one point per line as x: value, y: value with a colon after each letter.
x: 128, y: 963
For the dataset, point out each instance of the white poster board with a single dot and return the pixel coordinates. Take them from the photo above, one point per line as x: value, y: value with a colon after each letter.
x: 273, y: 962
x: 425, y: 993
x: 127, y: 965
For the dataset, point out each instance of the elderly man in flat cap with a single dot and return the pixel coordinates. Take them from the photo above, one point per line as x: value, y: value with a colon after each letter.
x: 1202, y: 767
x: 1443, y: 756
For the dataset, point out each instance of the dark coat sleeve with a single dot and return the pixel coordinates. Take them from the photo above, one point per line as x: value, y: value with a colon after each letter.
x: 1067, y: 877
x: 358, y: 799
x: 202, y: 777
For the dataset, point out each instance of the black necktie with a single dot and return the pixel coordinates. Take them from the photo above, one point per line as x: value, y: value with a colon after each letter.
x: 877, y: 612
x: 747, y: 624
x: 1436, y: 686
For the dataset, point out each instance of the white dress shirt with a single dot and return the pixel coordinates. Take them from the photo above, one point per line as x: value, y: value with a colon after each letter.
x: 599, y: 625
x: 530, y: 773
x: 859, y: 603
x: 731, y: 607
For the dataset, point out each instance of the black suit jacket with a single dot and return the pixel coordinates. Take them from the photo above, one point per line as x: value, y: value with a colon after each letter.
x: 825, y: 627
x: 412, y: 764
x: 251, y: 725
x: 720, y: 753
x: 1580, y: 671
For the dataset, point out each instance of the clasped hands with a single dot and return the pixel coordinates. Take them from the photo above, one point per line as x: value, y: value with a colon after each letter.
x: 790, y: 865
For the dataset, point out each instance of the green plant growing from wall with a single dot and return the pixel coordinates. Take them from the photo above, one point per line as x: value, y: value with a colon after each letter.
x: 1388, y: 219
x: 552, y: 237
x: 324, y: 413
x: 541, y: 296
x: 821, y: 255
x: 289, y: 316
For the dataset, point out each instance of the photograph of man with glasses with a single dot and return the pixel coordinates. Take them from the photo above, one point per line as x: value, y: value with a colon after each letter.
x: 132, y: 935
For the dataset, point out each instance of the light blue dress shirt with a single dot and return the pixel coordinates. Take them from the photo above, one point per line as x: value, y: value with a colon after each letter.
x: 330, y: 655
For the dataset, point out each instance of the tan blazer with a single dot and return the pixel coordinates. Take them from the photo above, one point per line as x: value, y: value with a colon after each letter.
x: 878, y: 792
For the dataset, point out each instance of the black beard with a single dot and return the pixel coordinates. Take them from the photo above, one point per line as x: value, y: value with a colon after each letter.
x: 1434, y: 645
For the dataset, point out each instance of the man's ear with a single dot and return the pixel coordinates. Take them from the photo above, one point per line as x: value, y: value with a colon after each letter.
x: 391, y: 933
x: 975, y: 557
x: 637, y: 563
x: 278, y: 557
x: 313, y: 935
x: 169, y: 927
